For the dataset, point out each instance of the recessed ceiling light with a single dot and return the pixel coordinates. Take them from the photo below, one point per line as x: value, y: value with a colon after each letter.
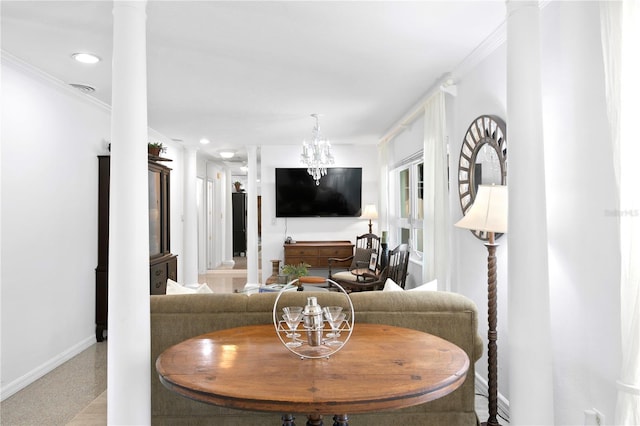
x: 226, y: 154
x: 86, y: 58
x: 205, y: 141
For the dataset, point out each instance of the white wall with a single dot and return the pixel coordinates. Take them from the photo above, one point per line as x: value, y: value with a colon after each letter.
x: 50, y: 140
x: 275, y: 230
x: 51, y: 136
x: 583, y: 254
x: 481, y: 92
x: 583, y: 246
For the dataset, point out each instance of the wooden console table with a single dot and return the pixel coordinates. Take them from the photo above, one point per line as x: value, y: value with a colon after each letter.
x: 317, y: 253
x: 381, y: 367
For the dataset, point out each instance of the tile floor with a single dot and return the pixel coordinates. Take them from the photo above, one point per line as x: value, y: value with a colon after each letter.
x: 74, y: 394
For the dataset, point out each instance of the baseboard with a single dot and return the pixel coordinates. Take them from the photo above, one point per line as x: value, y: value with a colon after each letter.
x: 24, y: 381
x: 482, y: 387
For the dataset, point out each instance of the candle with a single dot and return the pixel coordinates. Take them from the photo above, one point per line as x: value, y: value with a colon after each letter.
x: 384, y: 237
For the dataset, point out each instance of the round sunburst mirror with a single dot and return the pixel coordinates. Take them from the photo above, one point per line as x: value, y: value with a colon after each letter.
x: 483, y: 160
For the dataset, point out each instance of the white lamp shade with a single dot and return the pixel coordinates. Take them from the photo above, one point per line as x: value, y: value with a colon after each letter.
x: 370, y: 212
x: 489, y: 210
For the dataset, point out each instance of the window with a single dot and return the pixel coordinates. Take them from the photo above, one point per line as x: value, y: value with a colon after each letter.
x: 407, y: 212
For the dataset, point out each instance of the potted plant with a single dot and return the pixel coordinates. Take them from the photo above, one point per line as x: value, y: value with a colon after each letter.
x: 155, y: 148
x: 238, y: 185
x: 296, y: 271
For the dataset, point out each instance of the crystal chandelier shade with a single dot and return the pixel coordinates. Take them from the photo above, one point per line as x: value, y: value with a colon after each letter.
x: 316, y: 155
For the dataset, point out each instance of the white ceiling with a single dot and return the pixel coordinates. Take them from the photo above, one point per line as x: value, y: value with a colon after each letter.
x: 250, y: 73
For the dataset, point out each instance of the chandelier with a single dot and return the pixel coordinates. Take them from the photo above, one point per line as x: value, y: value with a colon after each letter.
x: 316, y: 155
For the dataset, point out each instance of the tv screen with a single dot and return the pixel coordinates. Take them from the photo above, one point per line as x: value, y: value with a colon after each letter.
x: 339, y: 193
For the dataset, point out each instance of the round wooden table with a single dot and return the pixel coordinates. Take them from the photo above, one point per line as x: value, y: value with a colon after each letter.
x: 381, y: 367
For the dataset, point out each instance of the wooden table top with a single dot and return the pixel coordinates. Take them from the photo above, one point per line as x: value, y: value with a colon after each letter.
x: 381, y: 367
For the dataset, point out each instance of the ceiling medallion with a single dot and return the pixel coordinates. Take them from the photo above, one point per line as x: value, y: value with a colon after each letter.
x: 316, y: 155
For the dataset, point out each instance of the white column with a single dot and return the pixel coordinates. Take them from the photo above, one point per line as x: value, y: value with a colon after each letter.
x: 252, y: 215
x: 530, y: 360
x: 227, y: 252
x: 190, y: 217
x: 128, y: 376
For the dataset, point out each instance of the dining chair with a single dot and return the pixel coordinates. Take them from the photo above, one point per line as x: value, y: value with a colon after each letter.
x: 366, y: 245
x: 396, y: 270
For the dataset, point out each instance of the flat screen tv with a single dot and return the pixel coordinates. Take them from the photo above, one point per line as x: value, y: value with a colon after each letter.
x: 339, y: 193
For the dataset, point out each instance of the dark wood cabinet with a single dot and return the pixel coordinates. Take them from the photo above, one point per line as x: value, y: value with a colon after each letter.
x: 102, y: 277
x: 239, y: 219
x: 162, y: 268
x: 162, y: 264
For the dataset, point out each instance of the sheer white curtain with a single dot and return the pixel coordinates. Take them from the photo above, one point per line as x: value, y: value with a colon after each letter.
x: 621, y: 44
x: 436, y: 199
x: 383, y: 195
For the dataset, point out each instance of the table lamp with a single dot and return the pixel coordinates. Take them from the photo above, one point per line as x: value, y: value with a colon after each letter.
x: 370, y: 212
x: 489, y: 214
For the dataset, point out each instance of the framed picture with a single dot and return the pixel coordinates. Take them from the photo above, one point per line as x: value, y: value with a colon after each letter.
x: 373, y: 261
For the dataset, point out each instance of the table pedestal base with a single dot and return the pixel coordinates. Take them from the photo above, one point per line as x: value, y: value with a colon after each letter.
x: 316, y: 420
x: 288, y: 420
x: 340, y: 420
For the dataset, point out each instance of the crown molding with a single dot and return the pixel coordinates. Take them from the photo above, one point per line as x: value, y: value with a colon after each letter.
x: 494, y: 40
x: 39, y: 74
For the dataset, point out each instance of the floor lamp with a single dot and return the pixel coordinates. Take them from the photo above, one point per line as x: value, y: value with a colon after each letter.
x: 489, y: 214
